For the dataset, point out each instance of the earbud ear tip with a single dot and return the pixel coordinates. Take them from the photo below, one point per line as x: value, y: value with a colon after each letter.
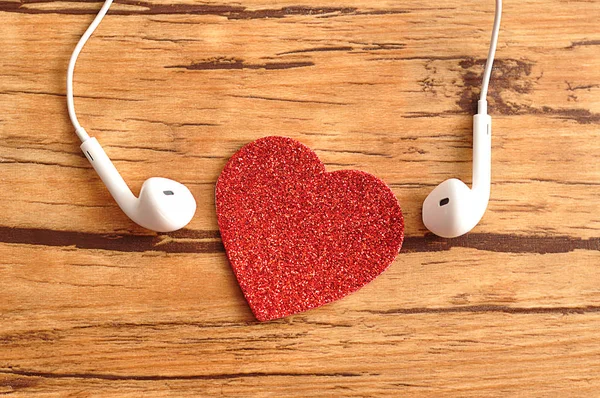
x: 165, y: 205
x: 445, y: 207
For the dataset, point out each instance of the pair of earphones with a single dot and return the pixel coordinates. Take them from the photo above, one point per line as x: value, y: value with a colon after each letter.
x: 452, y: 209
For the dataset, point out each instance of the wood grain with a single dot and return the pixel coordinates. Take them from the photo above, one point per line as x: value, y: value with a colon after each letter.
x: 92, y: 305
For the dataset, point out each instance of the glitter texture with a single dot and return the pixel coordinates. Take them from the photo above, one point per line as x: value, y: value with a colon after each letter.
x: 298, y: 237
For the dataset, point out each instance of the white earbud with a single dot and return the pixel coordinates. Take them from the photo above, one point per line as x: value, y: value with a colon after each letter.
x: 164, y: 205
x: 452, y: 209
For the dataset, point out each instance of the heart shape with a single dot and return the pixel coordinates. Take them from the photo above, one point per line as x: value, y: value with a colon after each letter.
x: 298, y: 237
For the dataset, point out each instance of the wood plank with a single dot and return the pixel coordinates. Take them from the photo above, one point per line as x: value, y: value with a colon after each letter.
x: 91, y: 304
x: 480, y: 354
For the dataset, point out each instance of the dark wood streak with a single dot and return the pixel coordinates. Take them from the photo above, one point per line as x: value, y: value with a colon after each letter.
x: 16, y: 92
x: 300, y: 101
x: 364, y: 153
x: 68, y: 204
x: 41, y: 147
x: 490, y: 308
x: 38, y: 163
x: 143, y: 148
x: 218, y: 376
x: 581, y: 116
x: 147, y: 8
x: 115, y: 242
x: 228, y: 63
x: 501, y: 243
x: 584, y: 43
x: 16, y: 383
x: 588, y: 87
x: 511, y: 75
x: 384, y: 46
x: 168, y: 124
x: 209, y: 242
x: 317, y: 49
x: 508, y: 75
x: 421, y: 58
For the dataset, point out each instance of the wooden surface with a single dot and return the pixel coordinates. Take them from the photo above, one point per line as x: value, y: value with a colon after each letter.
x: 91, y: 304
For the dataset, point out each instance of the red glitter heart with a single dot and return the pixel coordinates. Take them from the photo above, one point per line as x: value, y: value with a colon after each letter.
x: 298, y: 237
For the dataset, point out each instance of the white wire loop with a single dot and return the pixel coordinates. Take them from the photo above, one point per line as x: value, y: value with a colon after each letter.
x: 83, y: 135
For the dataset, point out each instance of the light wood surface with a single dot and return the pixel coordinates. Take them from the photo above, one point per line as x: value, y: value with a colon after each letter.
x: 92, y: 305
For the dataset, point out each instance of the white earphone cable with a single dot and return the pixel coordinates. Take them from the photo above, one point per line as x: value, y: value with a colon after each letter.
x: 490, y: 59
x: 81, y: 133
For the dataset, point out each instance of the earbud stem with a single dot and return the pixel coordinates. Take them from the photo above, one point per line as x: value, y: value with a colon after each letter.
x: 482, y: 157
x: 109, y: 174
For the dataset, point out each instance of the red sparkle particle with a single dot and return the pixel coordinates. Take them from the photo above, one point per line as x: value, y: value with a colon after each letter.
x: 298, y: 237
